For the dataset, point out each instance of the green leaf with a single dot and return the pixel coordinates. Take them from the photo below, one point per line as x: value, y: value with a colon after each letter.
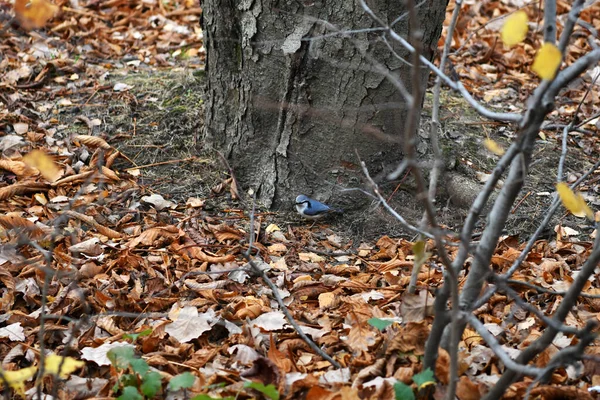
x: 129, y: 380
x: 403, y: 392
x: 135, y: 336
x: 207, y: 397
x: 121, y: 357
x: 424, y: 378
x: 130, y: 393
x: 151, y: 384
x: 139, y: 366
x: 270, y: 391
x: 380, y: 324
x: 182, y: 381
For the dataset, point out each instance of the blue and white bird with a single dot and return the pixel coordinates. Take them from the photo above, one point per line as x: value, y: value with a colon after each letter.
x: 312, y: 209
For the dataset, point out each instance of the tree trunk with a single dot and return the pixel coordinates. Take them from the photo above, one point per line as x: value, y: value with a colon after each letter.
x: 290, y: 101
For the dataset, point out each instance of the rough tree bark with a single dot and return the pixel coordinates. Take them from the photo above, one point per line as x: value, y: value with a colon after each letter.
x: 289, y: 112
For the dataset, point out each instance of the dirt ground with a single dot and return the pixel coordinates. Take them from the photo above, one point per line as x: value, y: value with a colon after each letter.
x: 158, y: 125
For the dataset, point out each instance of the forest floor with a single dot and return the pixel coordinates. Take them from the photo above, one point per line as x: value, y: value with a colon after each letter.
x: 124, y: 245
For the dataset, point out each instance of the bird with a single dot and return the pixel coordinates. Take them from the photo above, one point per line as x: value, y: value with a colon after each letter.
x: 313, y: 209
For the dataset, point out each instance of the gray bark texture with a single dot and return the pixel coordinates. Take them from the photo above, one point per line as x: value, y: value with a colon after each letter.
x: 289, y: 104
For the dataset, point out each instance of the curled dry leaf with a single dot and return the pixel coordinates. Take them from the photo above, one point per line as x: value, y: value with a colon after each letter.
x: 277, y: 248
x: 342, y: 269
x: 18, y: 168
x: 79, y: 178
x: 110, y: 174
x: 225, y: 232
x: 156, y: 236
x: 92, y: 222
x: 92, y: 141
x: 8, y: 297
x: 21, y: 226
x: 190, y: 249
x: 22, y: 188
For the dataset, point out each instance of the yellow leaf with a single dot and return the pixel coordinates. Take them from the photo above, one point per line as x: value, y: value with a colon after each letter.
x: 573, y: 202
x: 41, y: 161
x: 547, y: 61
x: 493, y: 147
x: 515, y: 28
x: 16, y: 379
x: 69, y: 365
x: 34, y: 13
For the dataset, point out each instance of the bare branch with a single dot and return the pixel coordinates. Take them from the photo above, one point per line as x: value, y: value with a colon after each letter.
x: 550, y: 21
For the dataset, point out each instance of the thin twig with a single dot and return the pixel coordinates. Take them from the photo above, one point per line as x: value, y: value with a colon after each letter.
x: 275, y: 291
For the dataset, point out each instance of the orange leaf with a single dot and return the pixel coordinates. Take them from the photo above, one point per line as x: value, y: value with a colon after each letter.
x: 34, y: 13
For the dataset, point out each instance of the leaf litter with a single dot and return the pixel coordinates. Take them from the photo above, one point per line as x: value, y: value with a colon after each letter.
x: 125, y: 260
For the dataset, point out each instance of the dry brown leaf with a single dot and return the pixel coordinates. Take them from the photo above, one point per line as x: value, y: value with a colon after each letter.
x: 81, y: 177
x: 22, y: 188
x: 277, y: 248
x: 415, y: 307
x: 8, y: 297
x: 109, y: 325
x: 342, y: 269
x: 280, y: 359
x: 92, y: 222
x: 225, y: 232
x: 327, y: 300
x: 18, y: 168
x: 442, y: 366
x: 392, y: 265
x: 410, y: 338
x: 92, y: 141
x: 110, y: 174
x: 22, y: 226
x: 467, y: 390
x: 360, y: 338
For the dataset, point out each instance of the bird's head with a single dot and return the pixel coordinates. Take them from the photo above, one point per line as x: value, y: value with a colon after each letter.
x: 301, y: 199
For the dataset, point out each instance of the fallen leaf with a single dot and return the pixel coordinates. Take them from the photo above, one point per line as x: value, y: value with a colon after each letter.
x: 188, y: 324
